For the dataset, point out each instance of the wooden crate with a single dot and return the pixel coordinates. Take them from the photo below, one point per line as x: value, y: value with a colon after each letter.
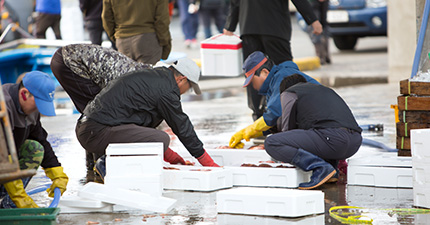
x: 414, y: 88
x: 419, y: 103
x: 414, y: 116
x: 404, y: 129
x: 403, y: 143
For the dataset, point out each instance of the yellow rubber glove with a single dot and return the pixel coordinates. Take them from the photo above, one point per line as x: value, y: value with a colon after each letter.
x: 59, y: 180
x: 235, y: 140
x: 17, y: 193
x: 256, y: 129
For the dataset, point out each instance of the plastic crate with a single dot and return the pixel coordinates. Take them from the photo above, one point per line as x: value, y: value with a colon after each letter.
x: 36, y: 216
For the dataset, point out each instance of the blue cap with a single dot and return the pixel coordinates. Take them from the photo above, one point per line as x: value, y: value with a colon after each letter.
x: 42, y: 87
x: 252, y: 64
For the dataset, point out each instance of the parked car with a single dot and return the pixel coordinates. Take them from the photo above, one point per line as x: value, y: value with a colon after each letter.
x: 349, y: 20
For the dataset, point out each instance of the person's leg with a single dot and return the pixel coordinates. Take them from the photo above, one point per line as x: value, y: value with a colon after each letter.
x: 95, y: 31
x: 30, y: 157
x: 42, y: 24
x: 278, y: 49
x: 124, y: 46
x: 206, y: 20
x: 79, y: 89
x: 146, y: 48
x: 219, y: 17
x: 185, y: 18
x: 251, y: 43
x: 56, y: 26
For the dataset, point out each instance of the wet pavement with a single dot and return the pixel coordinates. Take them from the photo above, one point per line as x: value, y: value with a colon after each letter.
x: 216, y: 117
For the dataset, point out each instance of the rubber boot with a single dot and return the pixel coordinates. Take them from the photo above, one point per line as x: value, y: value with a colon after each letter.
x: 321, y: 170
x: 320, y: 52
x: 100, y: 167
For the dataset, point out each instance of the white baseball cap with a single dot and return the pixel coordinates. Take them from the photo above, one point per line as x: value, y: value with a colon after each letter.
x: 189, y: 68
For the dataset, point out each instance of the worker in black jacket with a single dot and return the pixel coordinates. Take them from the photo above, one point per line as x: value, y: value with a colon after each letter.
x: 25, y: 102
x: 266, y: 26
x: 130, y: 107
x: 317, y: 126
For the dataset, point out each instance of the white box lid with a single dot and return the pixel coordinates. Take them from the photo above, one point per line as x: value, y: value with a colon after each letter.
x: 222, y: 41
x: 383, y: 160
x: 121, y: 196
x: 79, y: 202
x: 269, y: 192
x: 147, y: 148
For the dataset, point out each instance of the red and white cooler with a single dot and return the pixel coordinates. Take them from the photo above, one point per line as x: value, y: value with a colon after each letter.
x: 221, y: 56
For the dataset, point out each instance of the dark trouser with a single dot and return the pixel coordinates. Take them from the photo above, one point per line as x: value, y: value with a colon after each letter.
x: 79, y: 89
x: 219, y: 18
x: 329, y: 144
x: 95, y: 30
x: 189, y: 22
x: 277, y: 49
x: 44, y: 21
x: 95, y: 137
x: 30, y: 157
x: 142, y: 48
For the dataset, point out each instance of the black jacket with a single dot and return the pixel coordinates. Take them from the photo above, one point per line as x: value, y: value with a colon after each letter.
x: 266, y: 17
x: 145, y: 98
x: 27, y: 126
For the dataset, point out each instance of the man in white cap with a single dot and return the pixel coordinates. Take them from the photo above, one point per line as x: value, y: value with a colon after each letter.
x: 131, y: 106
x: 25, y: 101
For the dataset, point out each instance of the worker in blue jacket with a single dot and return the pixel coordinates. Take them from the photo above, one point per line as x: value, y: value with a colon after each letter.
x: 49, y: 15
x: 265, y: 77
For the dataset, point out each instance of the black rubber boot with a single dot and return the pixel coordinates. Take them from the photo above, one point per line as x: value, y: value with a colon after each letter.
x: 321, y: 170
x: 100, y: 167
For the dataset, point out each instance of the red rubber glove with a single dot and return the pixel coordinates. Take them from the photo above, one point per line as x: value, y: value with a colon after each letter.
x: 173, y: 157
x: 206, y: 160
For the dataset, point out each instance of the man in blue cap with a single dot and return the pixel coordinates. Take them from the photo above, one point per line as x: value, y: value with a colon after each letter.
x: 25, y: 101
x: 265, y: 76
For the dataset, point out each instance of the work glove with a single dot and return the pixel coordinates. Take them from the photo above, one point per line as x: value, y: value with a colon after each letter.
x: 206, y: 160
x: 256, y: 129
x: 236, y: 140
x: 17, y: 193
x: 59, y: 180
x: 173, y: 157
x: 166, y: 50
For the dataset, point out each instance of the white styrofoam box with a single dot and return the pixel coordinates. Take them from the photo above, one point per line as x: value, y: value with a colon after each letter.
x: 126, y: 198
x: 134, y: 159
x: 76, y: 204
x: 270, y: 201
x: 196, y: 178
x: 150, y: 184
x: 146, y: 148
x: 380, y: 176
x: 420, y: 145
x: 388, y: 159
x: 236, y: 157
x: 421, y: 173
x: 231, y: 219
x: 373, y: 197
x: 221, y: 56
x: 421, y: 196
x: 269, y: 177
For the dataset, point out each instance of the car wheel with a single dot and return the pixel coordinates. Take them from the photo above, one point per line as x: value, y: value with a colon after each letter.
x: 345, y: 42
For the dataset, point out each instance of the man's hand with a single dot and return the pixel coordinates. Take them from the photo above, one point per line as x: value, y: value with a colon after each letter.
x: 59, y: 179
x: 236, y: 140
x: 206, y: 160
x: 317, y: 27
x: 228, y: 33
x: 172, y: 157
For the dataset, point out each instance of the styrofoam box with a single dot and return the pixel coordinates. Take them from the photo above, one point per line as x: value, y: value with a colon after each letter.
x: 146, y: 148
x: 421, y: 196
x: 270, y: 201
x: 421, y: 173
x: 231, y: 219
x: 76, y: 204
x: 269, y: 177
x: 374, y: 196
x: 380, y: 176
x: 124, y: 197
x: 150, y: 184
x: 189, y: 178
x: 236, y: 157
x: 420, y: 145
x: 221, y: 56
x: 388, y: 159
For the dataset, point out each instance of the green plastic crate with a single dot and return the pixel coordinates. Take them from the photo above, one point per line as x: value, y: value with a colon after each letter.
x: 35, y: 216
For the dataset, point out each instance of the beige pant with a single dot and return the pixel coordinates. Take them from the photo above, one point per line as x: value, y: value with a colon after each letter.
x: 142, y: 48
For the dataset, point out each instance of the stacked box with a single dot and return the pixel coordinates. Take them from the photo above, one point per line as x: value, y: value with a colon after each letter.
x: 414, y: 112
x: 420, y: 145
x: 135, y: 166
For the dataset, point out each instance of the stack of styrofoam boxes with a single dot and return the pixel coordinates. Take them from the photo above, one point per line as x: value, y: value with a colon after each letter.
x: 221, y: 56
x: 420, y: 149
x: 270, y: 201
x: 135, y: 166
x: 384, y: 170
